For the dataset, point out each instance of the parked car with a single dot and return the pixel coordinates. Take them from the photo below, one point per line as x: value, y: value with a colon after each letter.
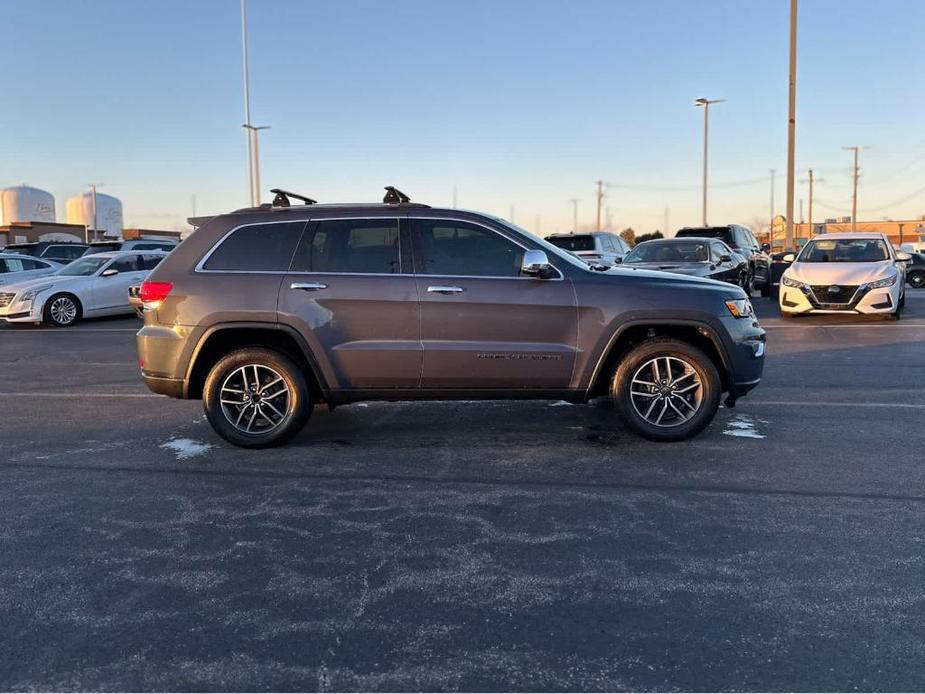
x: 598, y: 247
x: 845, y: 273
x: 15, y: 267
x: 58, y: 251
x: 743, y: 242
x: 134, y: 300
x: 132, y: 245
x: 779, y: 264
x: 915, y: 271
x: 94, y: 285
x: 709, y: 258
x: 285, y: 307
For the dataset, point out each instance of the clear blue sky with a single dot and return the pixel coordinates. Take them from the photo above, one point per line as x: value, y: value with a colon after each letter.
x: 515, y: 103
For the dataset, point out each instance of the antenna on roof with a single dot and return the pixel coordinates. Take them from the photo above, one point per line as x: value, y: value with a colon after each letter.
x: 394, y: 196
x: 282, y: 198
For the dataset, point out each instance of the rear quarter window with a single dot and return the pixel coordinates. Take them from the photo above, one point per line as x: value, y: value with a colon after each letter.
x: 573, y: 243
x: 257, y: 248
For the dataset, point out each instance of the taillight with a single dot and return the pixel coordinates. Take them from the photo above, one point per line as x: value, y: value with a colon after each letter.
x: 154, y: 291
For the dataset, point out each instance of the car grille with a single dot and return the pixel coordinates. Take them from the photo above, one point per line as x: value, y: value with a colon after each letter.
x: 825, y: 295
x: 6, y: 298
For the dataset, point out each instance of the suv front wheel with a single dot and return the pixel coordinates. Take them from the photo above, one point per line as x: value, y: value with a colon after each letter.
x: 256, y: 398
x: 666, y: 390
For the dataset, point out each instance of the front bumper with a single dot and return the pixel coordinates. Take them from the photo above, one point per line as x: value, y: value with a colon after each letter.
x: 797, y: 300
x: 22, y: 311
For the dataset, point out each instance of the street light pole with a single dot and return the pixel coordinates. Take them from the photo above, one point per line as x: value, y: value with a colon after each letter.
x: 574, y: 202
x: 600, y: 199
x: 791, y: 123
x: 93, y: 187
x: 854, y: 195
x: 254, y: 130
x: 703, y: 101
x: 247, y: 102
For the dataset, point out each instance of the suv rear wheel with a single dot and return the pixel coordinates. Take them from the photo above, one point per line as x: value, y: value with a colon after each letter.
x: 256, y: 398
x: 666, y: 390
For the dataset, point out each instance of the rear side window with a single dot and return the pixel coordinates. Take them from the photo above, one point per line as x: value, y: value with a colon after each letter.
x: 575, y: 242
x: 154, y: 247
x: 257, y: 248
x: 353, y: 246
x: 64, y: 252
x: 128, y: 263
x: 150, y: 261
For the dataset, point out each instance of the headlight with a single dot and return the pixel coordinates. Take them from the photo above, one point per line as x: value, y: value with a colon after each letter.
x: 29, y: 295
x: 885, y: 282
x: 787, y: 282
x: 740, y: 308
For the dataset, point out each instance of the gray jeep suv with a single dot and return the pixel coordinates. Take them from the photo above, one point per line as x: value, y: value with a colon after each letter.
x: 267, y: 311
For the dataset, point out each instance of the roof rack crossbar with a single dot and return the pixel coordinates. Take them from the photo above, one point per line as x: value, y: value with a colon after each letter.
x: 282, y: 198
x: 393, y: 196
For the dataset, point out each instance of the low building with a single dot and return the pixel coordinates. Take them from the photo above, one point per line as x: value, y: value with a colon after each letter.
x: 30, y: 232
x: 899, y: 231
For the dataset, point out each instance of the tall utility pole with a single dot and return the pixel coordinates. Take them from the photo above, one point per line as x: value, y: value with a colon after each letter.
x: 771, y: 222
x: 791, y: 124
x: 454, y: 197
x: 512, y: 214
x: 254, y: 130
x: 703, y: 101
x: 665, y: 230
x: 600, y: 200
x: 812, y: 179
x: 574, y: 202
x: 538, y: 227
x: 854, y: 195
x: 247, y: 102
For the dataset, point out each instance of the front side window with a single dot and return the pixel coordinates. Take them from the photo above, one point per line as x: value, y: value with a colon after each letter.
x: 257, y: 248
x: 128, y: 263
x: 844, y: 251
x: 149, y: 262
x: 461, y: 249
x: 351, y: 246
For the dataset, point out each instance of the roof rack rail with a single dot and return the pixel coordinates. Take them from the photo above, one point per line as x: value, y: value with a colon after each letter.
x: 393, y: 196
x: 282, y: 198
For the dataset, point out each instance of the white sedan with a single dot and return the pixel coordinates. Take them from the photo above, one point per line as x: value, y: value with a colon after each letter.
x: 15, y: 267
x: 94, y: 285
x: 845, y: 273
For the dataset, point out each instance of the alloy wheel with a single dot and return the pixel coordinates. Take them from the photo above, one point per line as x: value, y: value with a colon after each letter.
x: 255, y: 399
x: 63, y: 310
x: 666, y: 391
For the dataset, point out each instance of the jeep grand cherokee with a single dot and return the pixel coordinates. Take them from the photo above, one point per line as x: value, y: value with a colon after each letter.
x: 266, y: 311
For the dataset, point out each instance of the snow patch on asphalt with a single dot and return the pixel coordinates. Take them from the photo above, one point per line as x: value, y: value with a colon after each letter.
x: 559, y: 403
x: 186, y: 448
x: 744, y: 427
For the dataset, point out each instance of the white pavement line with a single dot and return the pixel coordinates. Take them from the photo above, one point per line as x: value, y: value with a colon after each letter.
x: 805, y: 403
x: 884, y: 326
x: 79, y: 395
x: 61, y: 331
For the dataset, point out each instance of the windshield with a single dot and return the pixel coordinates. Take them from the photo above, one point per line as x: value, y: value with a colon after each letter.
x: 844, y: 251
x: 557, y: 252
x: 83, y: 267
x: 573, y: 243
x: 669, y: 252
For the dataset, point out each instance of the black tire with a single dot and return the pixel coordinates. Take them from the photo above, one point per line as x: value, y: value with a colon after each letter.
x: 267, y: 363
x: 710, y: 389
x: 62, y: 310
x: 747, y: 282
x: 766, y: 287
x: 898, y: 313
x: 916, y: 279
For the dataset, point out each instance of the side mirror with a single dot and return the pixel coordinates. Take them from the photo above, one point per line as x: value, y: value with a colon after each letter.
x: 109, y: 272
x: 536, y: 263
x: 789, y: 258
x: 617, y: 260
x: 725, y: 259
x: 903, y: 257
x: 766, y: 247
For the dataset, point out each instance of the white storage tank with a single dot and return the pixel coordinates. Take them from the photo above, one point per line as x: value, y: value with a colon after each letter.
x: 26, y: 204
x: 108, y: 213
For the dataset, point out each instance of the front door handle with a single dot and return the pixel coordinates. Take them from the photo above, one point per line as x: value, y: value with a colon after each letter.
x: 308, y: 286
x: 441, y: 289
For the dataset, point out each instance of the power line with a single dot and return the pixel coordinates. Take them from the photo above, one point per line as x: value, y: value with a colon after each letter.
x: 731, y: 184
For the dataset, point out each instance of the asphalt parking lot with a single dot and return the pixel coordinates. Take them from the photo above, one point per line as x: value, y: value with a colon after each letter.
x: 471, y: 546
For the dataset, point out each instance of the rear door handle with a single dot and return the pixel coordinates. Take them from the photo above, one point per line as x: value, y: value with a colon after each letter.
x: 308, y: 286
x: 441, y: 289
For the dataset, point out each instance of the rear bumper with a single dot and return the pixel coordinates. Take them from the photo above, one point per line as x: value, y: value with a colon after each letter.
x: 171, y: 387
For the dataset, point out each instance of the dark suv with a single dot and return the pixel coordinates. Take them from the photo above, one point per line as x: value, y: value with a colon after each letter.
x: 743, y: 242
x: 267, y: 311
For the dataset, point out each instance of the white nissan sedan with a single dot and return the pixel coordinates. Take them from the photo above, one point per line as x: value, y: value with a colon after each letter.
x: 94, y: 285
x: 845, y: 273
